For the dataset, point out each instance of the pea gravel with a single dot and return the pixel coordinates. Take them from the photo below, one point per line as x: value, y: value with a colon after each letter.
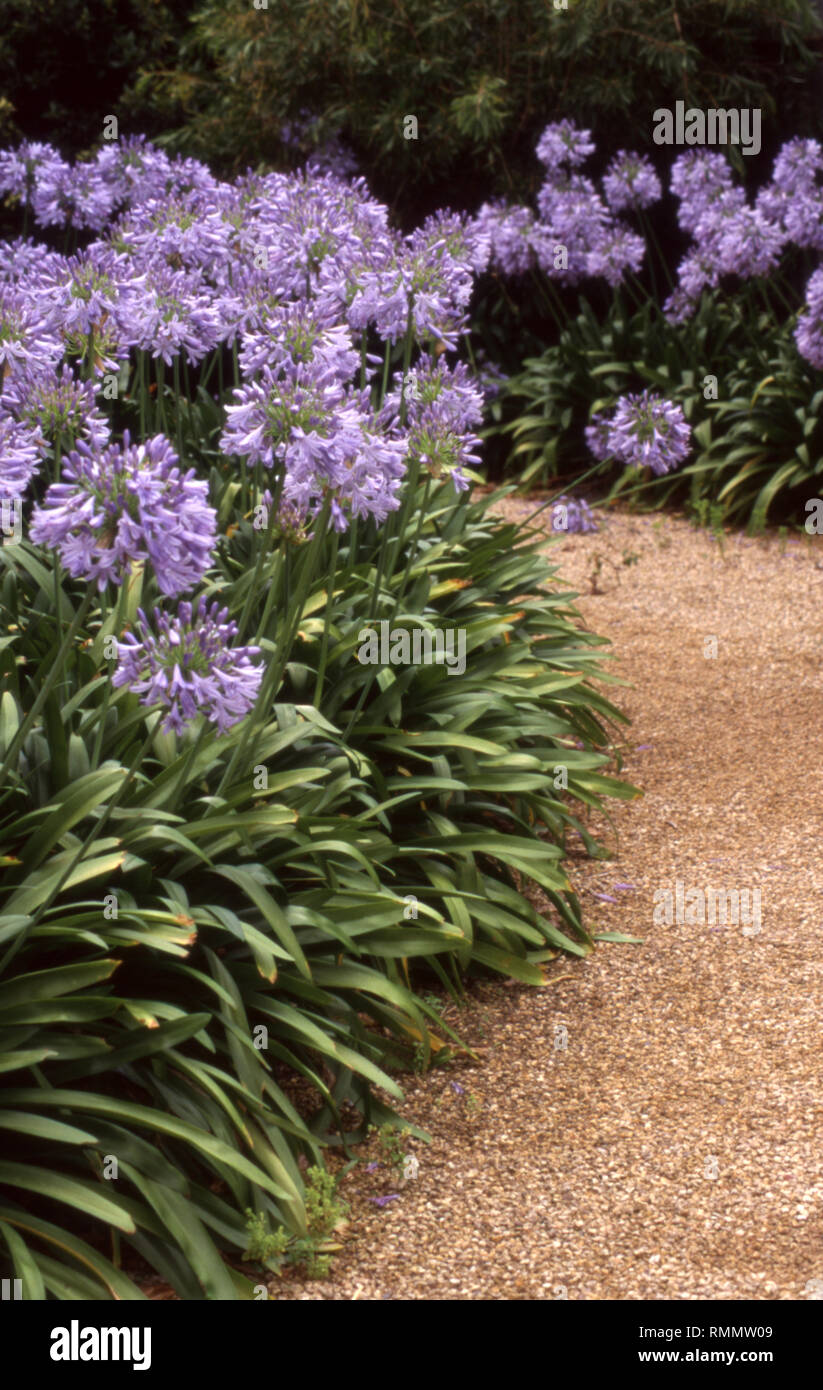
x: 672, y: 1148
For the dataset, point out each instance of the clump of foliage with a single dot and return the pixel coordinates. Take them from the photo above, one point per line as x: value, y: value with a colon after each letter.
x: 325, y: 1216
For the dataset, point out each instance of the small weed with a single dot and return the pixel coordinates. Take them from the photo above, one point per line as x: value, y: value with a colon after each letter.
x: 594, y: 576
x: 325, y: 1213
x: 391, y: 1147
x: 663, y: 542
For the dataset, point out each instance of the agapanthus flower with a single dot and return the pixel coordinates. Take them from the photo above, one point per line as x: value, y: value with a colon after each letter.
x: 748, y: 244
x: 289, y: 523
x: 508, y: 230
x: 89, y: 291
x: 564, y: 143
x: 645, y: 431
x: 572, y: 515
x: 275, y: 409
x: 20, y: 169
x: 597, y: 437
x: 166, y: 312
x: 441, y: 405
x: 323, y: 438
x: 66, y: 196
x: 631, y: 182
x: 679, y: 306
x: 59, y: 405
x: 24, y: 262
x: 127, y: 505
x: 617, y: 250
x: 27, y: 337
x: 698, y: 178
x: 20, y: 453
x: 300, y: 332
x: 797, y: 166
x: 428, y: 284
x: 809, y: 331
x: 333, y: 156
x: 697, y: 271
x: 488, y: 376
x: 187, y: 664
x: 181, y: 232
x: 323, y: 234
x: 573, y: 215
x: 131, y: 166
x: 803, y: 218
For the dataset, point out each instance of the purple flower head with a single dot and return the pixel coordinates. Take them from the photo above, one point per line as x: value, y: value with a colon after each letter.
x: 71, y: 197
x: 564, y: 143
x: 507, y: 229
x: 679, y: 306
x: 327, y: 154
x: 166, y: 312
x: 333, y: 156
x: 58, y: 404
x: 616, y: 250
x: 572, y: 515
x: 489, y: 377
x: 89, y: 291
x: 574, y: 216
x: 698, y: 178
x: 748, y: 243
x: 647, y: 431
x: 322, y: 437
x: 178, y: 231
x: 27, y: 338
x: 597, y: 437
x: 277, y: 410
x: 797, y: 166
x: 428, y: 283
x: 442, y: 404
x: 809, y: 331
x: 188, y: 665
x: 803, y: 219
x: 289, y: 524
x: 25, y: 263
x: 127, y: 505
x: 631, y: 182
x: 322, y: 234
x: 20, y: 169
x: 20, y: 453
x: 300, y: 332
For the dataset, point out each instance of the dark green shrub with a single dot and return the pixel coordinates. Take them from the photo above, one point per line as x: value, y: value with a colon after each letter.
x: 482, y: 78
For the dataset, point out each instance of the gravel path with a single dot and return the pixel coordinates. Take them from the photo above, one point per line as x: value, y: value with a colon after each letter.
x: 671, y: 1149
